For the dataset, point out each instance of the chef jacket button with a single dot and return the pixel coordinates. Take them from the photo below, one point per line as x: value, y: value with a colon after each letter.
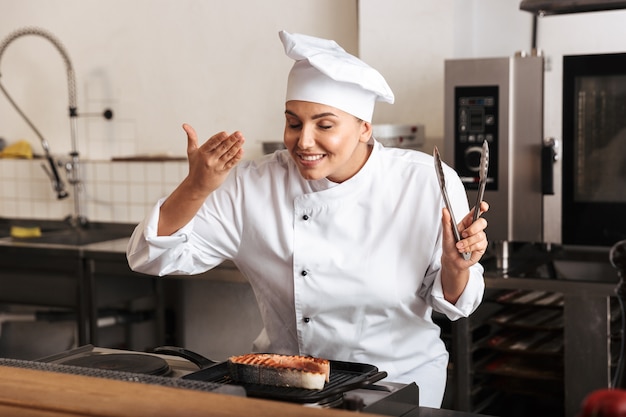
x: 307, y: 319
x: 305, y: 217
x: 304, y: 273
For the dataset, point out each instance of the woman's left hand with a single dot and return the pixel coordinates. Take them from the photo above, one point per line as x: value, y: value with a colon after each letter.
x: 454, y: 268
x: 473, y: 237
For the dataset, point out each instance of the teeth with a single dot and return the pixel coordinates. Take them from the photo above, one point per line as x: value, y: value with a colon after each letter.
x: 311, y: 157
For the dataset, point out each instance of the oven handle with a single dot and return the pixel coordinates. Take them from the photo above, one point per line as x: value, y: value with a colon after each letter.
x: 549, y: 155
x: 199, y: 360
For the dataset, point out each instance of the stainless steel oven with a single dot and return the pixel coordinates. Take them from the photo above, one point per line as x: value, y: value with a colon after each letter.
x: 499, y: 100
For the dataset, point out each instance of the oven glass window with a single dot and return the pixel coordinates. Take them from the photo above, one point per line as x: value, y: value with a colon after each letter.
x: 600, y: 139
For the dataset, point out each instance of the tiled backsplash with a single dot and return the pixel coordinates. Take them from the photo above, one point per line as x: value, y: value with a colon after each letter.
x: 112, y: 191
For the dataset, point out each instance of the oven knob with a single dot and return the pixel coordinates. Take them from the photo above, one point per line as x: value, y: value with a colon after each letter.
x: 472, y: 158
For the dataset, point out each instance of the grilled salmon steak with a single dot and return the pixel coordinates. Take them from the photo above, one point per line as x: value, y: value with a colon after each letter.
x: 280, y: 370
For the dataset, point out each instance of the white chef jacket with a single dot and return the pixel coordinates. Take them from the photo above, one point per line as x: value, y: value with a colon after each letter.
x: 347, y: 271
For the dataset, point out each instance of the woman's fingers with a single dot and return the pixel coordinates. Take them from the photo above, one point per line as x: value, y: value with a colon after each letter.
x: 192, y: 138
x: 473, y: 236
x: 220, y: 151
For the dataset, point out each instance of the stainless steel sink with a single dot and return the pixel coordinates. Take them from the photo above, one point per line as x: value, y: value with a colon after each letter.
x: 74, y: 237
x: 61, y: 233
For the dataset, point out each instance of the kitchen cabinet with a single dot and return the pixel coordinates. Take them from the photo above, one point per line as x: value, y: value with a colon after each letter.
x: 49, y: 281
x: 113, y: 306
x: 536, y: 346
x: 134, y: 302
x: 62, y: 278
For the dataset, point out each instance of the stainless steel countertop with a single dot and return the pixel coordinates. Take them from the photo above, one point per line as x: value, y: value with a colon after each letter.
x: 109, y: 246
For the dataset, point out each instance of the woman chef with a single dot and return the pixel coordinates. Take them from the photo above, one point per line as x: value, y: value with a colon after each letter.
x: 345, y: 243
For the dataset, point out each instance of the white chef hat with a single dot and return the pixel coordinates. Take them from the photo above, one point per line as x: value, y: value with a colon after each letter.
x: 325, y: 73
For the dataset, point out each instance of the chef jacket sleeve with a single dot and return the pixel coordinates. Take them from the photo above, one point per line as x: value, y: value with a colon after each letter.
x: 469, y: 300
x: 166, y: 255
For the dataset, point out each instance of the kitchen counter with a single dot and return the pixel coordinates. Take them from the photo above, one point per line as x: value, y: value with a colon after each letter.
x: 36, y: 393
x: 105, y: 241
x: 41, y: 393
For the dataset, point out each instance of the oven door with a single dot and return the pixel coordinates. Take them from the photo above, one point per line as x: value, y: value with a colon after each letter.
x: 594, y: 150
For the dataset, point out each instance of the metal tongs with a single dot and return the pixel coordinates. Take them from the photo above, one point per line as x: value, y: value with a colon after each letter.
x: 484, y: 167
x: 446, y: 199
x: 482, y: 175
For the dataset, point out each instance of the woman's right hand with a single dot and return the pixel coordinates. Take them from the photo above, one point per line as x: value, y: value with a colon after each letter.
x: 210, y: 162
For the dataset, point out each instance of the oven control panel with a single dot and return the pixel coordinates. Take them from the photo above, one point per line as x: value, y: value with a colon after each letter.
x: 476, y: 121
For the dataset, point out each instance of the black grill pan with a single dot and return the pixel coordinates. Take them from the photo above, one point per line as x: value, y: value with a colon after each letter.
x: 344, y: 376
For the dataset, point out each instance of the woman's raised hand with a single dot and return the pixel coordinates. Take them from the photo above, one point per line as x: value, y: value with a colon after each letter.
x: 210, y: 162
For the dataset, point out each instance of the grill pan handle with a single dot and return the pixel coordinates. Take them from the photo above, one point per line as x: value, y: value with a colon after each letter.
x: 366, y: 383
x: 201, y: 361
x: 375, y: 377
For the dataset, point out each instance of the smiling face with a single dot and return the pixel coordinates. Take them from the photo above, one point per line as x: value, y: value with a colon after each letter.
x: 324, y: 141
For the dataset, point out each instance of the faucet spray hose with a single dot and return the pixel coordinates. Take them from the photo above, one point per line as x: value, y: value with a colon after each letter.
x: 52, y: 171
x: 44, y: 142
x: 71, y: 78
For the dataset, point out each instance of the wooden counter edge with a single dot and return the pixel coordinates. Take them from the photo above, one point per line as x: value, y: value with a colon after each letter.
x: 26, y: 392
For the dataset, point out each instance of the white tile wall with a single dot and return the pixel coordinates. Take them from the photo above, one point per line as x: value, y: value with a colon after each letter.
x: 112, y: 191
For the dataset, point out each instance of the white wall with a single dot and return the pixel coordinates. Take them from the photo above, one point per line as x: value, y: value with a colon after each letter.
x: 157, y: 63
x: 408, y: 41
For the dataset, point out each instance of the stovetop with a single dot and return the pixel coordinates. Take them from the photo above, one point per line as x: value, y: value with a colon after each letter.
x: 106, y: 358
x: 168, y: 370
x: 55, y: 364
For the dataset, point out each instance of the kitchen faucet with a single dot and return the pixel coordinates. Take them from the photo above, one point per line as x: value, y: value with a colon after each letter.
x: 72, y: 166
